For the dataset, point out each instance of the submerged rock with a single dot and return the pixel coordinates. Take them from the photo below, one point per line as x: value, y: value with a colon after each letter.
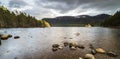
x: 9, y: 36
x: 77, y: 34
x: 73, y: 48
x: 73, y: 44
x: 89, y: 56
x: 0, y: 42
x: 70, y: 38
x: 66, y: 44
x: 54, y: 49
x: 100, y: 50
x: 16, y: 37
x: 112, y: 54
x: 65, y: 37
x: 93, y: 51
x: 80, y: 46
x: 60, y: 47
x: 15, y: 58
x: 91, y: 46
x: 55, y: 45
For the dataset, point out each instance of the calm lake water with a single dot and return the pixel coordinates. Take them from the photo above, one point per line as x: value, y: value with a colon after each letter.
x: 36, y: 43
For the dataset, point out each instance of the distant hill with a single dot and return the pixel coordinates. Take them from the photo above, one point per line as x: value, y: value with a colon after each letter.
x: 79, y: 20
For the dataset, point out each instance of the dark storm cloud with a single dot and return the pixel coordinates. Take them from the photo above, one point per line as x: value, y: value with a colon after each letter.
x: 68, y: 5
x: 53, y: 8
x: 107, y: 5
x: 62, y: 5
x: 17, y: 3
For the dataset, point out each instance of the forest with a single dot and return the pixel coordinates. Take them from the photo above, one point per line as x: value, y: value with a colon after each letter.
x: 113, y: 21
x: 15, y: 19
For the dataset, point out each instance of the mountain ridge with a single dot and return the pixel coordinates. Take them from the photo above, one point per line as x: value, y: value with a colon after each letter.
x: 79, y: 20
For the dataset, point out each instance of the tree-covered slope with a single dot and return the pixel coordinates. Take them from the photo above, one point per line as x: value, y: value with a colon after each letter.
x: 113, y: 20
x: 16, y: 19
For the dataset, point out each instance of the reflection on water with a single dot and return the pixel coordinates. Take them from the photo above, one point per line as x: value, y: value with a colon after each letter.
x: 35, y: 43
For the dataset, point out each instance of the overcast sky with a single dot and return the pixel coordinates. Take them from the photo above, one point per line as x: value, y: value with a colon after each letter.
x: 52, y: 8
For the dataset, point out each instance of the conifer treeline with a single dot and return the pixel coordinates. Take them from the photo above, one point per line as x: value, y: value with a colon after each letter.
x: 16, y: 19
x: 113, y: 20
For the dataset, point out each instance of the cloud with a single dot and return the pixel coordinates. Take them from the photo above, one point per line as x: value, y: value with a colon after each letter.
x: 53, y: 8
x: 65, y: 6
x: 17, y: 3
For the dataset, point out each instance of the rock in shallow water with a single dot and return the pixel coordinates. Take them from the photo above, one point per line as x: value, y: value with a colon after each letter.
x: 16, y: 37
x: 73, y: 44
x: 112, y: 54
x: 55, y: 45
x: 77, y: 34
x: 5, y: 36
x: 73, y: 48
x: 100, y: 50
x: 60, y: 47
x: 80, y: 46
x: 93, y: 51
x: 54, y: 49
x: 91, y: 46
x: 0, y: 42
x: 80, y: 58
x: 89, y: 56
x: 66, y: 44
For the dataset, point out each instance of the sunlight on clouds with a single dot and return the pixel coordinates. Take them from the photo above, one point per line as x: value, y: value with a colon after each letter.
x: 21, y: 9
x: 75, y: 12
x: 53, y: 8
